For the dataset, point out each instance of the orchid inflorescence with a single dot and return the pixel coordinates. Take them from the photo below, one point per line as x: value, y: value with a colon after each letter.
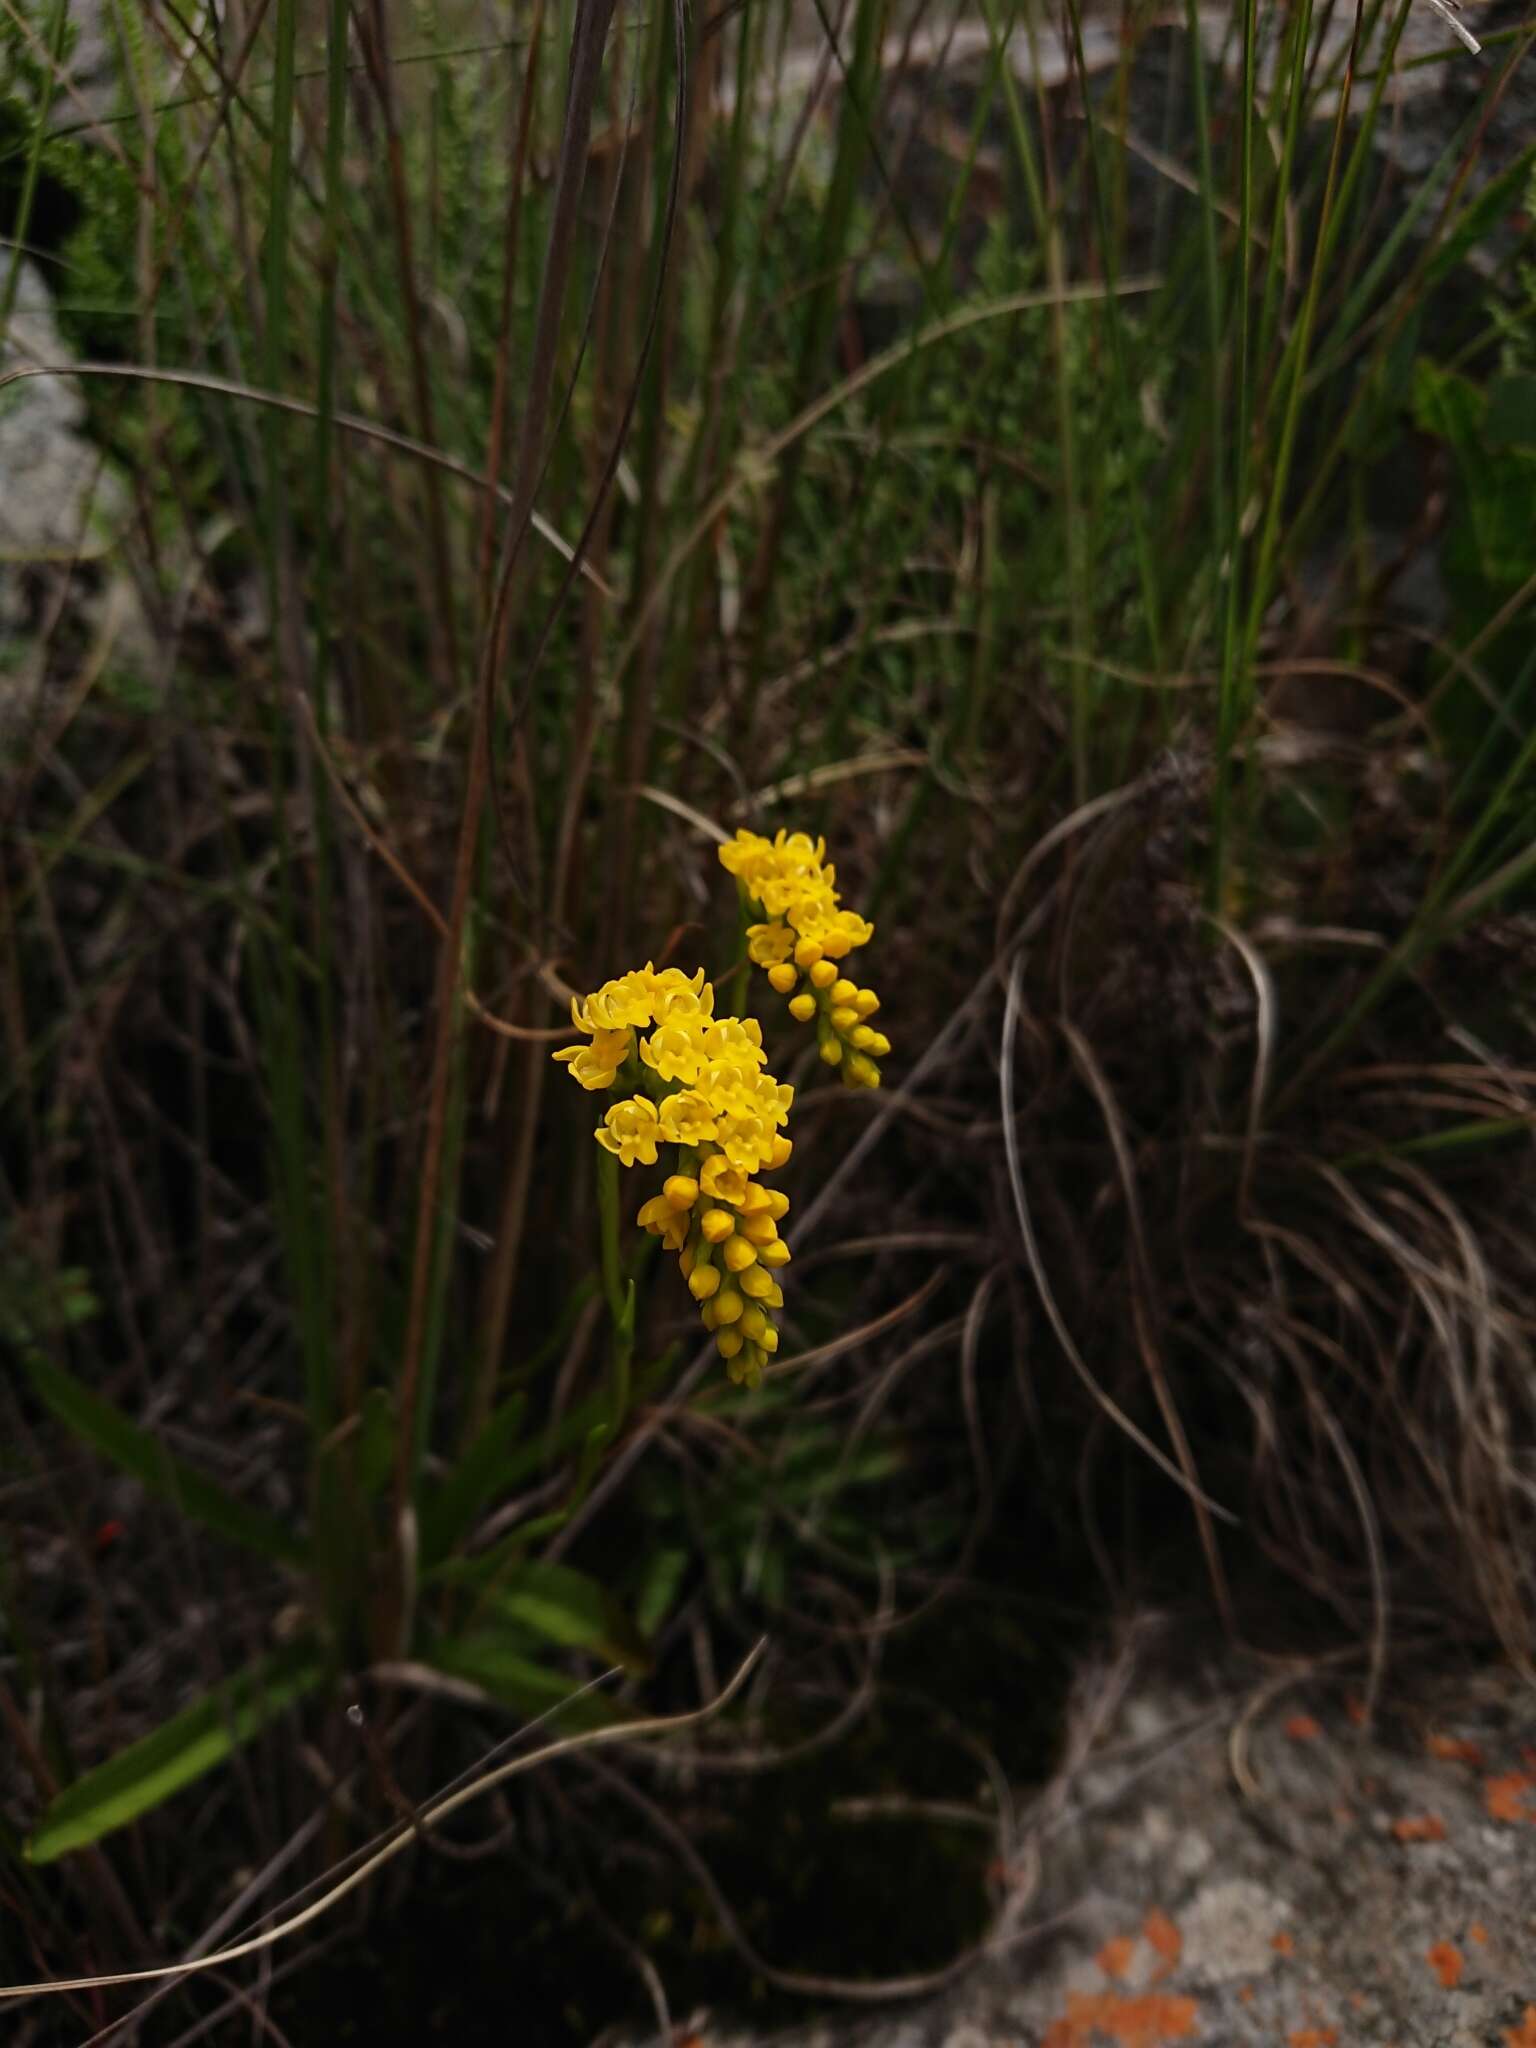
x: 700, y: 1083
x: 804, y: 931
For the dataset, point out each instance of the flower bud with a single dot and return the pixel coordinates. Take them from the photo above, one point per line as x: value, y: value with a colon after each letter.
x: 866, y: 1002
x: 753, y: 1323
x: 703, y: 1281
x: 770, y: 1337
x: 844, y: 1019
x: 863, y: 1038
x: 738, y: 1254
x: 845, y: 991
x: 716, y: 1225
x: 755, y: 1283
x: 807, y: 953
x: 758, y: 1229
x: 783, y: 977
x: 779, y: 1155
x: 831, y: 1051
x: 728, y: 1304
x: 802, y: 1008
x: 881, y: 1046
x: 681, y: 1190
x: 728, y: 1343
x: 823, y: 974
x: 775, y: 1254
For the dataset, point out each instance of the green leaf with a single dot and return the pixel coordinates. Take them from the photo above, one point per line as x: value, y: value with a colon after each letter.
x: 502, y: 1669
x: 1511, y: 418
x: 376, y: 1441
x: 1500, y: 196
x: 658, y: 1589
x: 149, y: 1771
x: 107, y: 1430
x: 564, y: 1606
x: 450, y: 1514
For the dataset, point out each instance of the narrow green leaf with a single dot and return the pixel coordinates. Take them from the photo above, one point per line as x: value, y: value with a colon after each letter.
x: 149, y: 1771
x: 107, y: 1430
x: 450, y: 1513
x: 567, y: 1607
x: 487, y: 1659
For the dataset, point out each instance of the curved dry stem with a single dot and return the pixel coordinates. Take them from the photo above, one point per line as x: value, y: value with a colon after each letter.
x: 429, y: 1814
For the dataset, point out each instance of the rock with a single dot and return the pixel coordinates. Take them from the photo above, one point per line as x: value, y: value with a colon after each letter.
x: 1217, y: 1874
x: 63, y: 513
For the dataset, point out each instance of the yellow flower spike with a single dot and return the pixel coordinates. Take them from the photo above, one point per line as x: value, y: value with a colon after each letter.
x: 779, y: 1156
x: 760, y: 1229
x: 738, y: 1254
x: 769, y: 1339
x: 866, y: 1002
x: 728, y: 1343
x: 807, y: 953
x: 802, y: 1008
x: 703, y: 1281
x: 716, y: 1225
x: 728, y: 1304
x: 753, y: 1323
x: 782, y: 977
x: 754, y: 1282
x: 844, y: 1019
x: 831, y: 1052
x: 681, y: 1190
x: 824, y: 974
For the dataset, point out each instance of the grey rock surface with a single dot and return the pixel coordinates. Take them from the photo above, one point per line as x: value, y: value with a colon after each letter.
x: 1238, y: 1860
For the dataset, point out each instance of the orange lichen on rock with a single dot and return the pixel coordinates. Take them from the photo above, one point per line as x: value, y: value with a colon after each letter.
x: 1506, y: 1798
x: 1283, y: 1944
x: 1114, y: 1958
x: 1166, y: 1939
x: 1478, y: 1932
x: 1303, y: 1728
x: 1421, y: 1827
x: 1145, y: 2022
x: 1523, y: 2036
x: 1451, y: 1749
x: 1447, y: 1962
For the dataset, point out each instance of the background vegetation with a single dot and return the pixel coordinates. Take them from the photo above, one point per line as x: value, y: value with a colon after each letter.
x: 1084, y: 466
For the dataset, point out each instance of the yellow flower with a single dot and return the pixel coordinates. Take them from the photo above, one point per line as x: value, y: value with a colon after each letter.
x: 688, y: 1119
x: 597, y: 1064
x: 721, y: 1181
x: 630, y: 1131
x: 676, y: 1049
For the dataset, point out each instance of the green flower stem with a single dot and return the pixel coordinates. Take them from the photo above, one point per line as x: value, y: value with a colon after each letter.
x: 620, y: 1292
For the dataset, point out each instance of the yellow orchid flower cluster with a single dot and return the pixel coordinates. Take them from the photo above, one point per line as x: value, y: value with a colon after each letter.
x: 707, y: 1092
x: 804, y: 930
